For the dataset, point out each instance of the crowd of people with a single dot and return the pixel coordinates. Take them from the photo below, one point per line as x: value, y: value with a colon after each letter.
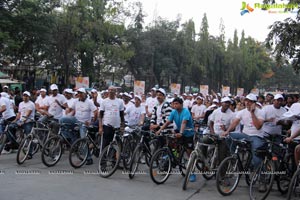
x: 250, y: 116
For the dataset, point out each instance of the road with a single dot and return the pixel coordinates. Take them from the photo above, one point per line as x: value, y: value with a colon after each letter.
x: 34, y: 181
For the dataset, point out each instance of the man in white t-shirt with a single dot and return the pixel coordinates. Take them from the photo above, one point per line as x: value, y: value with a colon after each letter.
x: 24, y: 118
x: 136, y: 113
x: 41, y: 102
x: 273, y: 113
x: 252, y: 118
x: 111, y: 116
x: 7, y: 111
x: 127, y: 103
x: 151, y: 102
x: 198, y: 110
x: 69, y: 111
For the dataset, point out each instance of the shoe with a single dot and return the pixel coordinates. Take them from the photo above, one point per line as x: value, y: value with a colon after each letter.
x: 262, y: 188
x: 89, y: 162
x: 4, y: 151
x: 192, y: 178
x: 29, y: 157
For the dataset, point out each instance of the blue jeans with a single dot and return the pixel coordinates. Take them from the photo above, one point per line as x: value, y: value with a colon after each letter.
x: 256, y: 142
x: 67, y: 130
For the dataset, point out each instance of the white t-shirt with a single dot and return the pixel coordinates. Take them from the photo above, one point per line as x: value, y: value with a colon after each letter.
x: 126, y: 106
x: 246, y: 119
x: 54, y: 108
x: 83, y: 110
x: 25, y: 107
x: 187, y: 103
x: 134, y: 114
x: 70, y: 103
x: 9, y: 112
x: 271, y: 112
x: 112, y: 108
x: 198, y: 110
x: 42, y: 101
x: 220, y: 118
x: 151, y: 102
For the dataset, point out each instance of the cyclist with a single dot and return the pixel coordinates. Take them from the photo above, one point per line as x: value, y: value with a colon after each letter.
x: 41, y: 102
x: 185, y: 127
x: 151, y: 102
x: 198, y: 110
x: 136, y: 113
x: 111, y: 116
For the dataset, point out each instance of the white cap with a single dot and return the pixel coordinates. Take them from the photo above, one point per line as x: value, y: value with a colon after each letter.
x: 81, y: 90
x: 127, y: 95
x: 257, y: 103
x: 26, y: 93
x: 138, y: 97
x: 219, y: 94
x: 225, y: 99
x: 294, y: 110
x: 161, y: 90
x: 278, y: 96
x: 195, y: 94
x: 53, y: 87
x: 212, y: 106
x: 5, y: 86
x: 93, y: 90
x: 251, y: 97
x: 215, y: 101
x: 153, y: 88
x: 199, y: 97
x: 184, y: 94
x: 68, y: 90
x: 43, y: 90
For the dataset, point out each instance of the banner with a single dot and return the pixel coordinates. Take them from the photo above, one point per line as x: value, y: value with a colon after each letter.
x: 187, y: 89
x: 255, y: 91
x: 139, y: 87
x: 204, y: 89
x: 240, y: 92
x: 225, y: 91
x: 82, y: 82
x: 175, y: 88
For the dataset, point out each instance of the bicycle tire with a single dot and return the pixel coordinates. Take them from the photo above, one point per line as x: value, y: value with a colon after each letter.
x: 189, y: 170
x: 208, y: 174
x: 127, y: 151
x: 52, y: 151
x: 227, y: 164
x: 79, y: 152
x: 135, y: 161
x: 294, y: 187
x: 112, y: 154
x: 164, y: 167
x: 3, y: 139
x: 183, y: 159
x: 266, y: 169
x: 24, y: 149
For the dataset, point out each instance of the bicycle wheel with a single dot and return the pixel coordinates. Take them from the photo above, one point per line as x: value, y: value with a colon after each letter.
x: 189, y: 170
x: 262, y: 181
x: 294, y: 187
x: 183, y: 161
x: 160, y: 166
x: 24, y: 150
x: 79, y: 152
x: 153, y: 146
x: 109, y: 160
x: 135, y: 161
x: 228, y: 176
x: 209, y: 172
x: 127, y: 151
x: 52, y: 151
x: 3, y: 138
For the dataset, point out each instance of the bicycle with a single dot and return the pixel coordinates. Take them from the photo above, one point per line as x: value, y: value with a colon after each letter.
x: 294, y: 186
x: 83, y: 146
x: 208, y: 163
x: 7, y: 134
x: 34, y: 141
x: 233, y: 167
x: 169, y: 156
x: 144, y: 149
x: 54, y: 146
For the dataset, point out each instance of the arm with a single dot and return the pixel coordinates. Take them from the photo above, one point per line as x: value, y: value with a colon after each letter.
x: 163, y: 127
x: 232, y: 126
x: 211, y: 127
x: 100, y: 122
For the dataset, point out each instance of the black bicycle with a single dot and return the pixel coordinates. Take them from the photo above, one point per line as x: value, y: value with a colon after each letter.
x: 294, y: 187
x: 233, y: 167
x: 168, y: 157
x: 83, y: 146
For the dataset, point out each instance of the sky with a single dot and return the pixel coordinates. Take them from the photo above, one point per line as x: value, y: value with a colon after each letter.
x: 255, y: 24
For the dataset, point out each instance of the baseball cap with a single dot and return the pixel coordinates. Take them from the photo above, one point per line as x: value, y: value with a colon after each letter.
x: 153, y: 88
x: 215, y: 101
x: 81, y: 90
x: 138, y: 97
x: 251, y: 97
x: 53, y: 87
x: 161, y: 90
x: 278, y: 96
x: 225, y: 99
x: 126, y: 94
x: 199, y: 97
x: 93, y: 90
x: 5, y: 86
x: 43, y: 90
x: 26, y: 93
x: 68, y: 90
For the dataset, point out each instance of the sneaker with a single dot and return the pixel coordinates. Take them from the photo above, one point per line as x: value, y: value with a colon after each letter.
x: 29, y: 157
x: 192, y: 178
x: 4, y: 151
x: 262, y: 187
x: 89, y: 162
